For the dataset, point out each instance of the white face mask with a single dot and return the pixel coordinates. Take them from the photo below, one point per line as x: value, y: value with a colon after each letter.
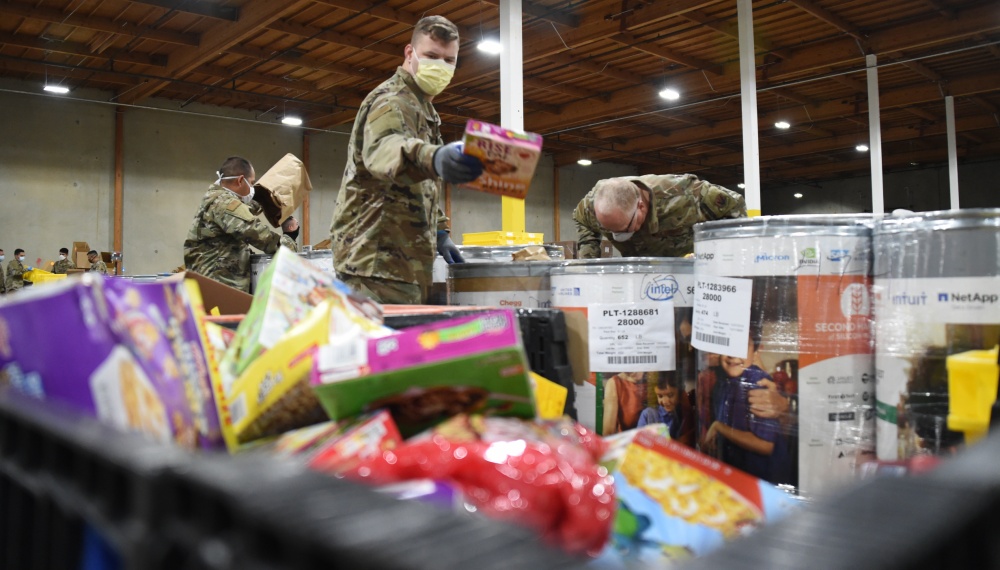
x: 20, y: 258
x: 622, y: 236
x: 1, y: 258
x: 62, y: 257
x: 245, y: 199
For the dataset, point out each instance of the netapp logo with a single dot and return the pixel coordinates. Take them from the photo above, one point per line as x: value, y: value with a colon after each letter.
x: 705, y: 256
x: 984, y: 298
x: 762, y: 257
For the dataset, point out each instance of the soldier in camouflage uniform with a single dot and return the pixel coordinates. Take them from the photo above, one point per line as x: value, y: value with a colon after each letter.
x: 15, y: 271
x: 64, y: 262
x: 97, y: 264
x: 651, y: 215
x: 3, y: 276
x: 226, y: 222
x: 387, y: 223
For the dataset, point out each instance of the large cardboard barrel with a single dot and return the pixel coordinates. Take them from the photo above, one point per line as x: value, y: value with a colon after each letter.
x: 514, y: 285
x: 807, y: 349
x: 937, y: 293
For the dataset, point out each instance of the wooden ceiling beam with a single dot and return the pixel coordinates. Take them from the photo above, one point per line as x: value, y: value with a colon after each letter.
x: 383, y: 12
x: 303, y: 62
x: 336, y: 38
x: 118, y: 27
x: 545, y: 13
x: 255, y: 16
x: 262, y: 79
x: 72, y: 48
x: 207, y: 9
x: 830, y: 18
x: 565, y: 89
x: 647, y: 46
x: 985, y: 104
x: 826, y: 55
x: 731, y: 30
x: 925, y: 71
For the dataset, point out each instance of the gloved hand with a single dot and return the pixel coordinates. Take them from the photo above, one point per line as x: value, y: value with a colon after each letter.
x: 454, y: 166
x: 448, y: 249
x: 291, y: 227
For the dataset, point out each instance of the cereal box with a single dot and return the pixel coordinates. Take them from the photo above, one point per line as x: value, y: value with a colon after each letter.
x: 509, y: 158
x: 675, y: 503
x: 424, y: 375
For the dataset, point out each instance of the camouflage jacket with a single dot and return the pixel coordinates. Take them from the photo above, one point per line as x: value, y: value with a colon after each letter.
x: 62, y: 265
x: 679, y: 201
x: 3, y: 280
x: 387, y: 214
x: 15, y: 275
x: 216, y: 245
x: 99, y: 267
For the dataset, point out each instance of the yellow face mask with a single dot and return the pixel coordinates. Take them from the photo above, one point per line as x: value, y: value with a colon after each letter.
x: 433, y: 75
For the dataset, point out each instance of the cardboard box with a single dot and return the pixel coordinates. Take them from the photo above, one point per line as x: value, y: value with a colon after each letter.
x: 569, y: 248
x: 227, y: 300
x: 424, y: 375
x: 80, y: 259
x: 509, y: 158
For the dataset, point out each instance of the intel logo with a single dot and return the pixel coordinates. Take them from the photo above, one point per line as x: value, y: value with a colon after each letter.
x: 659, y: 288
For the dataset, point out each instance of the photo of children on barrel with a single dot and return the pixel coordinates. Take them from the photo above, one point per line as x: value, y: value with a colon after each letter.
x: 745, y: 416
x: 627, y: 400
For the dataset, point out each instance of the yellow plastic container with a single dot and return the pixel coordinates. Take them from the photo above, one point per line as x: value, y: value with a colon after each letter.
x: 972, y: 390
x: 41, y: 276
x: 503, y: 238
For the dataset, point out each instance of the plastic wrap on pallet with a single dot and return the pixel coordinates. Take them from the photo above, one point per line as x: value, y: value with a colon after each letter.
x: 783, y: 323
x: 937, y: 293
x: 580, y: 285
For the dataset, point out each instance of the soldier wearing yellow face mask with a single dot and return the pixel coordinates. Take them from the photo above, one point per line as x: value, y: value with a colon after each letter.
x: 387, y: 224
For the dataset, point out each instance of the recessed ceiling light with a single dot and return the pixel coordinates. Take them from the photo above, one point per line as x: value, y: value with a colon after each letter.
x: 291, y: 120
x: 490, y: 46
x: 56, y: 89
x: 861, y: 148
x: 584, y: 162
x: 670, y: 94
x: 741, y: 185
x: 797, y: 194
x: 783, y: 125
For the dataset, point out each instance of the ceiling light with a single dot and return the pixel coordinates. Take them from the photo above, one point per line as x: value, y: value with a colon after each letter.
x: 291, y: 120
x: 56, y: 89
x: 861, y: 148
x: 670, y: 94
x: 584, y: 162
x: 783, y: 125
x: 797, y: 194
x: 741, y: 185
x: 491, y: 47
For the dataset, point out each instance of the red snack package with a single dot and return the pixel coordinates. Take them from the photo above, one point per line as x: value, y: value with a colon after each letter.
x: 570, y: 501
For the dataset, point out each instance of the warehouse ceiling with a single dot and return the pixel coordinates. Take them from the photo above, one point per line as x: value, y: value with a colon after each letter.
x: 592, y: 71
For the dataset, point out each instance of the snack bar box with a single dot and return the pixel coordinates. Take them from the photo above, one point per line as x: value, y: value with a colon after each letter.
x: 424, y: 375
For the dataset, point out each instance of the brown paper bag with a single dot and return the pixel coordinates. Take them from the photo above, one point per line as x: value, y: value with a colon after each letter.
x: 282, y: 189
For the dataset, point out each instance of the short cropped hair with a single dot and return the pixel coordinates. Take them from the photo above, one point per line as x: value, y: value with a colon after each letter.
x: 437, y: 27
x: 18, y: 251
x: 235, y: 166
x: 615, y: 194
x: 92, y: 252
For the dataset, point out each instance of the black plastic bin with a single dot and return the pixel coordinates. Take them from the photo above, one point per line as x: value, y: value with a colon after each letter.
x: 162, y: 508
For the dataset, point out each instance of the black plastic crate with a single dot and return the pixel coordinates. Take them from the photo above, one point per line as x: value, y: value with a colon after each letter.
x: 159, y: 507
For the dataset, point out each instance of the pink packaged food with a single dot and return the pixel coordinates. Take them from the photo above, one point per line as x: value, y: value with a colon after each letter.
x: 509, y: 158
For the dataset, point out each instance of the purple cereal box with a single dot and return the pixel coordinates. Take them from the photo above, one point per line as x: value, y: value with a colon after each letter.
x: 109, y: 348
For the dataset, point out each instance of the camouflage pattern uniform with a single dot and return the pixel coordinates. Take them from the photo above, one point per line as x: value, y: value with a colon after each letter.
x: 216, y: 244
x: 15, y: 275
x: 3, y: 281
x: 385, y: 223
x: 99, y: 267
x: 62, y: 265
x: 679, y: 201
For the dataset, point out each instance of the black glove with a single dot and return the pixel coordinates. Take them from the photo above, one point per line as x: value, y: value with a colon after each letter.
x: 454, y: 166
x: 448, y: 249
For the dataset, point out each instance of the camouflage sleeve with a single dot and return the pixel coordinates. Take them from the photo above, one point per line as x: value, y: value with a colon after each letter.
x: 255, y: 207
x: 718, y: 202
x: 588, y: 231
x: 234, y: 218
x: 442, y: 220
x: 392, y: 151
